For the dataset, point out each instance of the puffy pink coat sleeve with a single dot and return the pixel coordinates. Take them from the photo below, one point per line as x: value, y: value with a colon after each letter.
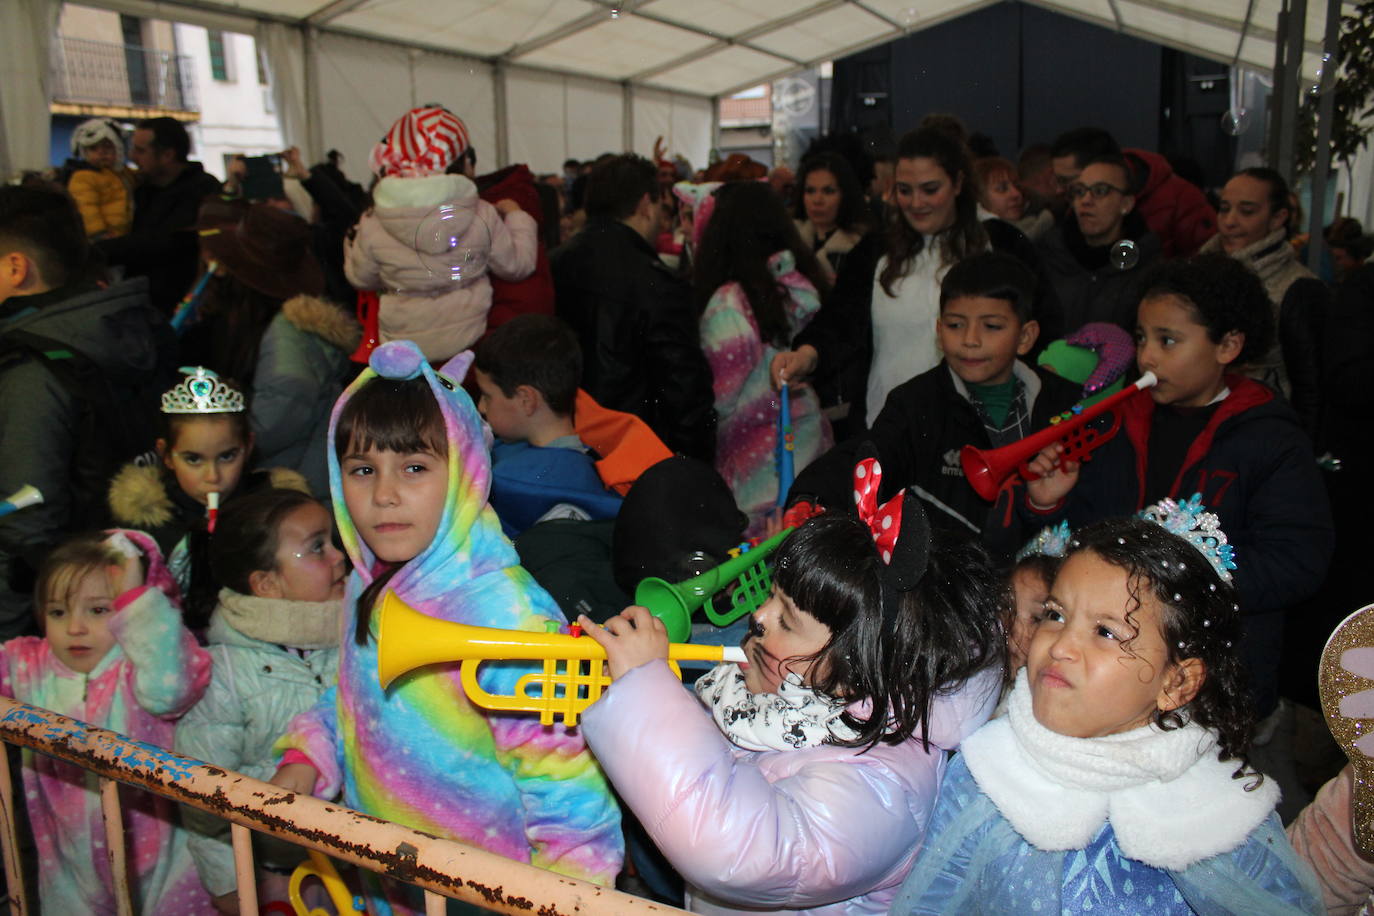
x: 777, y: 830
x: 169, y: 670
x: 1321, y: 836
x: 514, y: 242
x: 360, y: 260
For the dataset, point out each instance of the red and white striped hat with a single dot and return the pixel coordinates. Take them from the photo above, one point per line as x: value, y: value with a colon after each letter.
x: 424, y: 141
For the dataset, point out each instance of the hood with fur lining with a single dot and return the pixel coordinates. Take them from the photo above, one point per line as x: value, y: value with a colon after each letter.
x: 139, y: 497
x: 325, y: 320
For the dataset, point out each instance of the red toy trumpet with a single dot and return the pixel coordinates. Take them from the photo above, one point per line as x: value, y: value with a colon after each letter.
x: 988, y: 471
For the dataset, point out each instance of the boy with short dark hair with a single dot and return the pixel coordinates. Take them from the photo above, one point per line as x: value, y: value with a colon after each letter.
x: 527, y: 371
x: 981, y: 395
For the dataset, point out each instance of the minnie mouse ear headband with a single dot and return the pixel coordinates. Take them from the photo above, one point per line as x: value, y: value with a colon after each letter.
x: 422, y: 142
x: 901, y: 534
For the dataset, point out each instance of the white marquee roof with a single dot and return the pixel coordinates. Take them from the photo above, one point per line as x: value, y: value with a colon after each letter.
x: 715, y: 47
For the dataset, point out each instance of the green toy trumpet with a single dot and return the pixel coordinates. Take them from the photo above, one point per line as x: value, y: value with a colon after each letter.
x: 674, y: 603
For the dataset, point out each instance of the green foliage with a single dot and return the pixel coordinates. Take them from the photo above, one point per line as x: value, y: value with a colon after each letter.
x: 1353, y: 94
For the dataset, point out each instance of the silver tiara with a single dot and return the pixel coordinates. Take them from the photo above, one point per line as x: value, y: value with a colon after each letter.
x: 1191, y: 521
x: 202, y: 391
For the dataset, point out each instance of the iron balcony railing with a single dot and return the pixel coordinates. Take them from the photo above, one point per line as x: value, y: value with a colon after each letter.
x: 103, y: 73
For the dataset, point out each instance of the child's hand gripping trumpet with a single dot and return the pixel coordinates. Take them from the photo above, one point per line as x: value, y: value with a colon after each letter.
x: 408, y: 639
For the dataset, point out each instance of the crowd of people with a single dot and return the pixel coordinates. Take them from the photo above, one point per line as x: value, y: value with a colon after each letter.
x: 255, y: 409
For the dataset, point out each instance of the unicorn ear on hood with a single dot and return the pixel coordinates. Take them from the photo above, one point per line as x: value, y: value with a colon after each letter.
x: 457, y: 367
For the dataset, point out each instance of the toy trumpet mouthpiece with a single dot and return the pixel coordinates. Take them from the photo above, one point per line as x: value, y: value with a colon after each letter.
x: 212, y: 511
x: 25, y: 496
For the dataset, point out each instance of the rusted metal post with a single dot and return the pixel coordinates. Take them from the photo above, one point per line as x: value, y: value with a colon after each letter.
x: 14, y: 869
x: 245, y: 875
x: 114, y: 846
x: 443, y: 866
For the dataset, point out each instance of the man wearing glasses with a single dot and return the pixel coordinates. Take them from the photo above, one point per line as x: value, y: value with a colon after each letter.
x: 1175, y: 210
x: 1097, y: 256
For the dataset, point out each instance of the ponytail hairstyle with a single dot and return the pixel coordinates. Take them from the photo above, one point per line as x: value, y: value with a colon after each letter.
x: 967, y: 236
x: 942, y: 632
x: 390, y: 415
x: 1199, y: 617
x: 246, y: 537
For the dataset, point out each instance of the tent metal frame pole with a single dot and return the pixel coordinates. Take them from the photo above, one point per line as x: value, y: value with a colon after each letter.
x: 1295, y: 40
x: 499, y: 110
x: 1276, y: 96
x: 627, y: 116
x: 1326, y: 109
x: 314, y: 129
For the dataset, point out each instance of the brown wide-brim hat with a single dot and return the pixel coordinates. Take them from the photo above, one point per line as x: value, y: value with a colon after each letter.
x: 265, y: 248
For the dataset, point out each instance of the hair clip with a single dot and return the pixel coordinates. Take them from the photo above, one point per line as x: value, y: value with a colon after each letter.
x: 202, y: 391
x: 1191, y: 521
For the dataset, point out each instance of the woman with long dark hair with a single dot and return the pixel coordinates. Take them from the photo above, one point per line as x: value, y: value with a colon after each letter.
x: 757, y: 285
x: 829, y: 209
x: 878, y: 328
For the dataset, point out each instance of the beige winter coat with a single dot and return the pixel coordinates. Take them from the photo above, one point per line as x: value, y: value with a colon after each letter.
x: 427, y: 245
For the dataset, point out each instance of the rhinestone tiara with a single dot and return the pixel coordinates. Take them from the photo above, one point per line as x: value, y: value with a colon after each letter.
x: 1191, y: 521
x: 202, y: 391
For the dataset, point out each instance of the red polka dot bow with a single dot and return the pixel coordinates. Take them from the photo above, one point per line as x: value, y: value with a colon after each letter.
x: 885, y: 521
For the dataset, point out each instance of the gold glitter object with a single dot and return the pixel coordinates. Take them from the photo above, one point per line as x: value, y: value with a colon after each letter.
x: 1336, y: 683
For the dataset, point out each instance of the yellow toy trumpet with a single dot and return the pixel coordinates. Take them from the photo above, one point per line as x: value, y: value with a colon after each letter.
x: 571, y: 681
x: 320, y: 866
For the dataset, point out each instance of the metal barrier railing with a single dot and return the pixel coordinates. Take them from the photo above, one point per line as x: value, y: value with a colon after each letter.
x: 442, y: 868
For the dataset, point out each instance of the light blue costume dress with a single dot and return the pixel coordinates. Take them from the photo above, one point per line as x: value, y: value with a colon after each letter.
x: 1147, y: 821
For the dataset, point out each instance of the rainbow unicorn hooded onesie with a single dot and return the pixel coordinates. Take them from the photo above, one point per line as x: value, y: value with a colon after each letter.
x: 419, y: 753
x: 152, y: 674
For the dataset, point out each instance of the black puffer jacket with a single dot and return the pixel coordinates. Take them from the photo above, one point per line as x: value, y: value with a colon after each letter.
x: 641, y: 347
x: 163, y: 245
x: 66, y: 356
x: 918, y: 435
x: 1090, y: 288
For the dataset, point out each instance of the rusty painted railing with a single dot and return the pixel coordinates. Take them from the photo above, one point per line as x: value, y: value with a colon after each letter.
x: 443, y: 868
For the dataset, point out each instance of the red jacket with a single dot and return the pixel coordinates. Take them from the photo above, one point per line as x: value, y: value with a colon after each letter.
x: 1175, y: 210
x: 534, y: 294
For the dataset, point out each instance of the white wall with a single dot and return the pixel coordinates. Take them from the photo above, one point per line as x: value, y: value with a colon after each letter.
x: 364, y: 86
x: 236, y: 115
x: 684, y: 122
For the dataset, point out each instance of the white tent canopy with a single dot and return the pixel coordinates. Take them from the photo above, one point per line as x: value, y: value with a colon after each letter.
x: 539, y: 81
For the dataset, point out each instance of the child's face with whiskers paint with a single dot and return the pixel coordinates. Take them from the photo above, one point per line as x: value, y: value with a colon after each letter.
x: 395, y: 500
x: 1098, y: 664
x: 781, y: 642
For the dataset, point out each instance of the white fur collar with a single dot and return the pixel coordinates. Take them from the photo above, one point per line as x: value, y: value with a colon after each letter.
x: 423, y: 192
x: 1170, y: 802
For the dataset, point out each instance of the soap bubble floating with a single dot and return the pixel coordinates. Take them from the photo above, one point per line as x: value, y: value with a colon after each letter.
x: 453, y: 244
x: 1235, y: 122
x: 1124, y: 255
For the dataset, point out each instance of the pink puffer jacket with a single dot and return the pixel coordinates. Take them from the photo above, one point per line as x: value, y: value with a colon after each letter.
x: 825, y: 830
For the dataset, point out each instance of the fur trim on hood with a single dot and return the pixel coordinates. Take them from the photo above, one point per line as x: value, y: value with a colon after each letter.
x: 287, y: 479
x: 325, y: 320
x: 139, y: 499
